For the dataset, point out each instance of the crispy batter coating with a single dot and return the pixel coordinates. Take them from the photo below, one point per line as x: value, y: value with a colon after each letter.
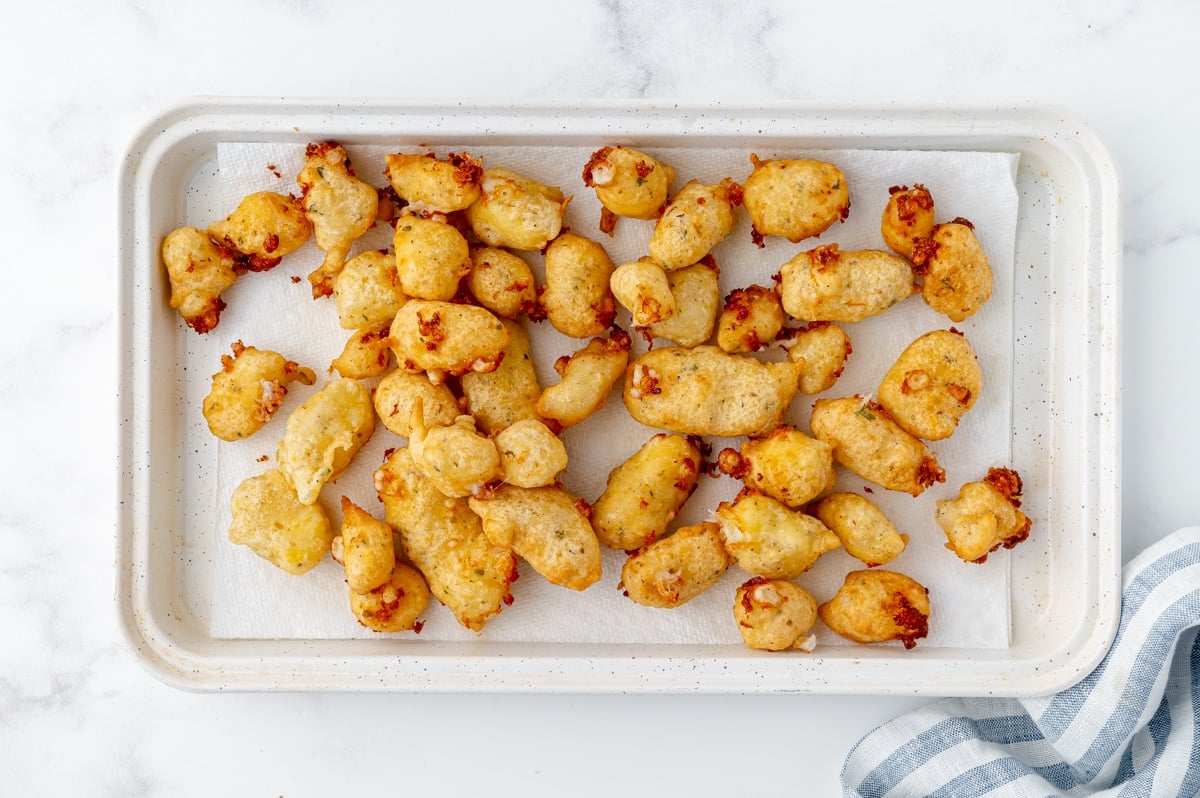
x: 275, y: 525
x: 577, y: 298
x: 864, y: 530
x: 531, y: 456
x: 368, y: 554
x: 869, y: 443
x: 447, y: 338
x: 705, y: 391
x: 984, y: 517
x: 643, y: 289
x: 367, y: 290
x: 751, y: 319
x: 674, y: 570
x: 697, y: 219
x: 822, y: 349
x: 445, y: 540
x: 366, y: 354
x: 827, y: 284
x: 766, y: 538
x: 248, y: 390
x: 697, y: 296
x: 932, y: 385
x: 588, y: 377
x: 646, y: 492
x: 339, y: 205
x: 775, y: 615
x: 502, y: 282
x: 796, y: 198
x: 428, y: 183
x: 396, y: 604
x: 264, y: 227
x: 456, y: 459
x: 957, y: 276
x: 628, y: 182
x: 786, y: 465
x: 907, y: 217
x: 548, y: 528
x: 199, y: 270
x: 431, y: 257
x: 516, y: 212
x: 323, y: 435
x: 397, y: 394
x: 498, y: 399
x: 874, y: 606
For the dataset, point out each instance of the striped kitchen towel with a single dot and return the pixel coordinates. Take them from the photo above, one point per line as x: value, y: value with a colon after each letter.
x: 1130, y: 728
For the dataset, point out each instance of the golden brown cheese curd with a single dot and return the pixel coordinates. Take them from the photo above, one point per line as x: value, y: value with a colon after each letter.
x: 588, y: 377
x: 501, y: 282
x: 984, y: 517
x: 248, y: 390
x: 516, y: 212
x: 751, y: 319
x: 199, y: 270
x: 576, y: 298
x: 456, y: 459
x: 907, y: 217
x: 367, y: 290
x: 270, y: 520
x: 795, y: 198
x: 500, y: 398
x: 397, y: 394
x: 443, y: 338
x: 875, y: 606
x: 692, y: 391
x: 646, y: 492
x: 674, y: 570
x: 869, y: 443
x: 932, y: 384
x: 548, y: 528
x: 697, y: 219
x: 445, y: 540
x: 264, y: 227
x: 956, y: 275
x: 531, y: 456
x: 643, y: 289
x: 366, y: 354
x: 766, y: 538
x: 867, y: 534
x: 364, y: 548
x: 827, y: 284
x: 396, y: 604
x: 323, y: 435
x: 339, y: 205
x: 697, y: 295
x: 821, y: 349
x: 628, y: 182
x: 775, y: 615
x: 431, y: 257
x: 786, y: 465
x: 428, y: 183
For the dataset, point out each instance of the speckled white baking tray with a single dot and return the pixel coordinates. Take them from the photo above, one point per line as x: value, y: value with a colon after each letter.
x: 1064, y: 437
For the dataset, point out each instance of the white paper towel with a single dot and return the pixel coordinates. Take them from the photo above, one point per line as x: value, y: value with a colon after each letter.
x: 273, y: 310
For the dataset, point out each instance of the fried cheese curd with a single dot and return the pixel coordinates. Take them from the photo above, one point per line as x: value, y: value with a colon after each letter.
x: 367, y: 291
x: 673, y: 570
x: 577, y: 298
x: 588, y: 377
x: 396, y: 604
x: 786, y: 465
x: 697, y: 295
x: 821, y: 348
x: 431, y: 257
x: 501, y: 282
x: 248, y: 390
x: 985, y: 516
x: 500, y: 398
x: 366, y: 354
x: 364, y: 548
x: 271, y: 521
x: 907, y: 217
x: 323, y: 435
x: 828, y: 284
x: 956, y: 275
x: 339, y: 205
x: 866, y: 533
x: 456, y: 459
x: 775, y: 615
x: 698, y: 218
x: 428, y: 183
x: 643, y: 289
x: 397, y: 394
x: 516, y: 212
x: 447, y: 338
x: 794, y: 198
x: 867, y: 441
x: 264, y: 227
x: 751, y: 319
x: 706, y: 391
x: 932, y: 384
x: 645, y: 493
x: 876, y: 606
x: 547, y: 528
x: 766, y: 538
x: 199, y: 270
x: 628, y: 183
x: 444, y: 539
x: 531, y: 456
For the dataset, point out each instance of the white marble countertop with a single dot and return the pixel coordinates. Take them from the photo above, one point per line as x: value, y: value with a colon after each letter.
x: 78, y: 713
